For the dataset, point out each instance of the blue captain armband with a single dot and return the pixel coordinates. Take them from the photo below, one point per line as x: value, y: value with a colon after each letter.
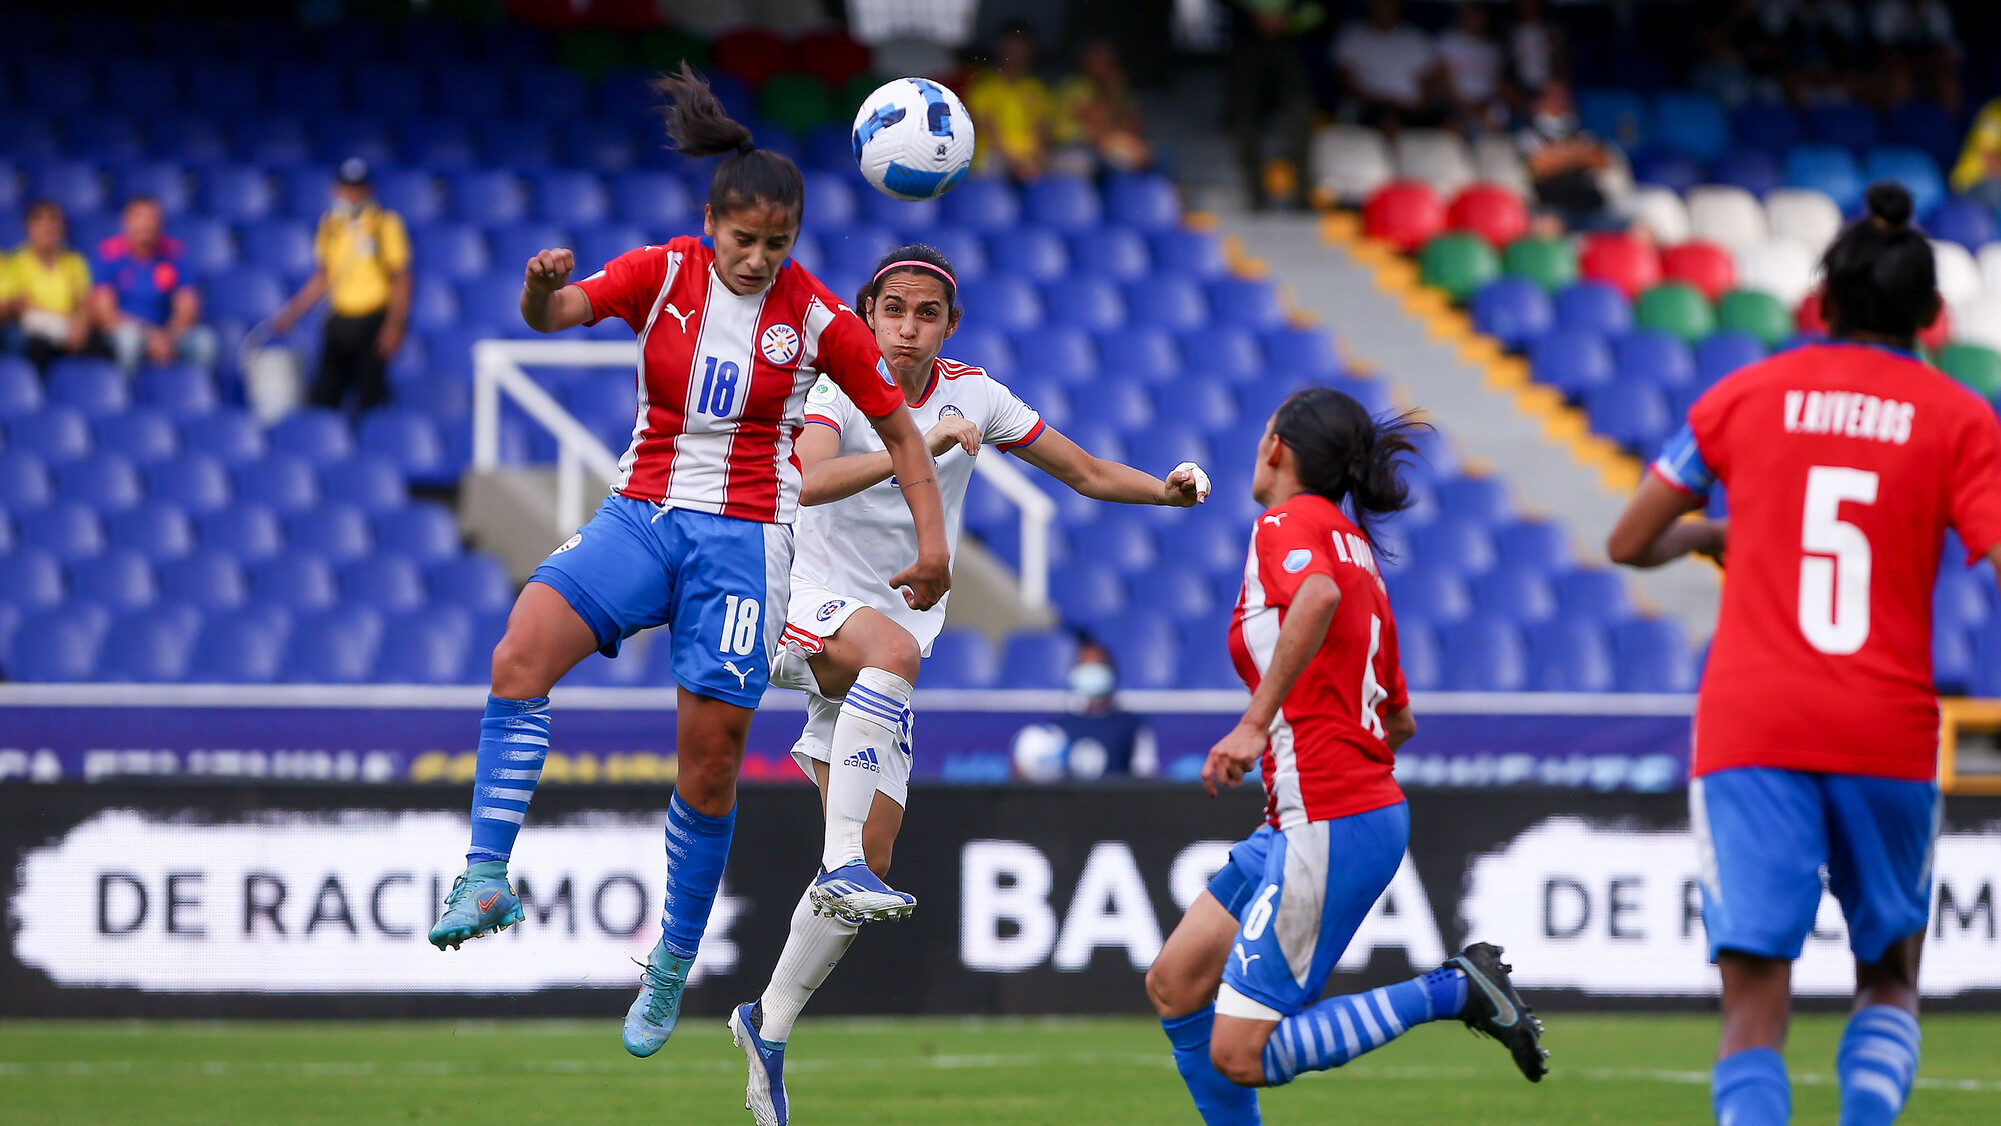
x: 1681, y: 465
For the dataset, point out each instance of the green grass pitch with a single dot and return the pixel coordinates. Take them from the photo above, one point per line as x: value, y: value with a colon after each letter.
x: 987, y: 1072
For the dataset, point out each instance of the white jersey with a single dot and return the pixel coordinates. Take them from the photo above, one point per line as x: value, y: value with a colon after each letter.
x: 852, y: 546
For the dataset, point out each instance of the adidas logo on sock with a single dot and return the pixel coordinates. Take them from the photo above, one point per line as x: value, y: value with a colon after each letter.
x: 864, y: 758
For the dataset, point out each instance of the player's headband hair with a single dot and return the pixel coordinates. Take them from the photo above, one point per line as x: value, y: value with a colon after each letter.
x: 916, y: 264
x: 746, y: 147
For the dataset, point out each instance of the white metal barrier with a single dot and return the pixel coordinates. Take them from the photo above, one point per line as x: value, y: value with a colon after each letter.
x: 498, y: 369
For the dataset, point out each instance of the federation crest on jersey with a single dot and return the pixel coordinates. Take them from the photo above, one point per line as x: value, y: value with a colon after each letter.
x: 1296, y: 560
x: 829, y: 609
x: 780, y: 344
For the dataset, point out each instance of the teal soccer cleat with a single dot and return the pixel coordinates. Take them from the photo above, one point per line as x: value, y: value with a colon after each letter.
x: 481, y: 903
x: 650, y: 1020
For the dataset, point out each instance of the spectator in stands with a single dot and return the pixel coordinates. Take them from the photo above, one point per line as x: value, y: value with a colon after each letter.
x: 45, y: 289
x: 1919, y: 44
x: 1978, y: 172
x: 1470, y: 67
x: 1014, y: 111
x: 362, y: 264
x: 143, y: 301
x: 1100, y: 100
x: 1268, y: 87
x: 1389, y: 69
x: 1096, y: 738
x: 1567, y: 164
x: 1535, y: 49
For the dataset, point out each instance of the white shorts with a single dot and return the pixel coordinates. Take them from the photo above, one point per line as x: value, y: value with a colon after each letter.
x: 813, y: 615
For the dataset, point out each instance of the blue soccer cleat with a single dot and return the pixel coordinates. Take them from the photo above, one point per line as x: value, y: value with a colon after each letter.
x: 480, y: 903
x: 764, y: 1093
x: 650, y: 1020
x: 853, y: 892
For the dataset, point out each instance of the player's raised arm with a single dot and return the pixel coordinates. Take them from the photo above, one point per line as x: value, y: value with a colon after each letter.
x: 1101, y: 479
x: 829, y: 477
x: 549, y: 303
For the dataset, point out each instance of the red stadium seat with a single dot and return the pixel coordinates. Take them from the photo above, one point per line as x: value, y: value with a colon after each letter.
x: 1405, y: 213
x: 1704, y: 265
x: 1939, y: 333
x: 1491, y: 211
x: 833, y: 56
x: 1622, y: 260
x: 752, y: 54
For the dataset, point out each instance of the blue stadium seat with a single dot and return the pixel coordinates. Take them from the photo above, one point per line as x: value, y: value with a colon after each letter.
x: 248, y: 532
x: 1176, y: 304
x: 55, y: 434
x: 1484, y: 655
x: 475, y: 582
x: 434, y: 306
x: 280, y: 246
x: 1755, y: 170
x: 1177, y: 590
x: 197, y: 482
x: 832, y: 200
x: 1249, y: 303
x: 423, y: 648
x: 1036, y: 254
x: 1432, y: 591
x: 1962, y: 597
x: 1666, y: 168
x: 1592, y: 593
x: 53, y: 647
x: 1719, y: 354
x: 251, y: 296
x: 1144, y: 200
x: 148, y: 647
x: 1650, y: 655
x: 1001, y: 301
x: 274, y: 141
x: 187, y: 139
x: 31, y: 579
x: 961, y: 658
x: 317, y: 434
x: 165, y: 182
x: 909, y: 218
x: 1301, y: 353
x: 1184, y: 253
x: 1516, y: 594
x: 365, y: 481
x: 1037, y: 660
x: 1926, y: 125
x: 1061, y: 203
x: 1462, y: 545
x: 1963, y: 220
x: 522, y: 146
x: 1228, y: 354
x: 1513, y: 310
x: 1766, y: 124
x: 1532, y: 544
x: 424, y: 530
x: 1618, y: 116
x: 413, y: 193
x: 1482, y: 500
x: 181, y: 390
x: 1573, y: 361
x: 1653, y: 356
x: 1141, y: 353
x: 853, y: 252
x: 158, y: 530
x: 1047, y: 398
x: 207, y: 580
x: 600, y: 146
x: 1828, y: 169
x: 386, y: 581
x: 1570, y: 654
x: 1954, y: 664
x: 454, y: 250
x: 55, y: 84
x: 1419, y: 655
x: 284, y: 481
x: 1593, y: 306
x: 1087, y: 302
x: 1635, y: 415
x: 237, y: 193
x: 437, y: 145
x: 1113, y: 402
x: 1849, y: 125
x: 208, y: 246
x: 76, y: 185
x: 339, y: 533
x: 107, y: 482
x: 409, y: 441
x: 1119, y: 254
x: 1911, y: 167
x: 982, y: 203
x: 237, y: 648
x: 118, y: 580
x: 142, y: 83
x: 1986, y: 680
x: 599, y: 243
x: 487, y: 196
x: 1174, y: 441
x: 1120, y: 538
x: 1145, y: 650
x: 20, y: 388
x: 296, y: 581
x: 143, y: 434
x: 230, y: 435
x: 990, y: 349
x: 67, y: 529
x: 1690, y: 123
x: 1089, y: 592
x: 341, y: 137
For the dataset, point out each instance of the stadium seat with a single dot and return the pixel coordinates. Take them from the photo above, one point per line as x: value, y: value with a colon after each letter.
x: 157, y: 530
x: 147, y: 646
x: 1595, y: 306
x: 1089, y: 593
x: 1958, y: 273
x: 1650, y: 655
x: 1766, y: 124
x: 1184, y: 253
x: 1690, y: 123
x: 117, y: 580
x: 25, y: 482
x: 237, y: 193
x: 205, y: 579
x: 232, y: 436
x: 408, y: 440
x: 982, y: 203
x: 166, y: 182
x: 107, y: 482
x: 1754, y: 170
x: 1352, y: 161
x: 1143, y: 200
x: 426, y: 647
x: 1061, y: 203
x: 1634, y: 414
x: 55, y: 434
x: 1963, y: 221
x: 1980, y: 320
x: 296, y: 580
x: 1249, y: 303
x: 1516, y: 594
x: 1176, y: 304
x: 1662, y: 212
x: 1532, y: 545
x: 77, y: 186
x: 1666, y: 168
x: 180, y: 390
x: 1085, y: 302
x: 67, y: 529
x: 1723, y: 352
x: 1827, y: 169
x: 195, y: 481
x: 366, y: 481
x: 1676, y: 308
x: 1483, y: 500
x: 1756, y: 314
x: 1121, y: 539
x: 1458, y: 264
x: 1592, y: 593
x: 961, y: 658
x: 486, y: 196
x: 1433, y: 592
x: 1452, y: 542
x: 425, y: 531
x: 145, y: 435
x: 386, y: 581
x: 1513, y: 310
x: 1484, y: 655
x: 20, y: 388
x: 1404, y: 213
x: 54, y: 646
x: 1035, y: 254
x: 280, y: 247
x: 1549, y: 262
x: 247, y: 531
x: 1433, y: 156
x: 1705, y: 266
x: 32, y: 579
x: 316, y: 434
x: 339, y: 533
x: 1418, y: 652
x: 284, y: 481
x: 1491, y: 211
x: 1780, y: 267
x: 1729, y: 217
x: 1850, y: 125
x: 1228, y: 354
x: 1570, y: 654
x: 1301, y: 353
x: 1620, y: 260
x: 474, y: 582
x: 1037, y: 660
x: 1976, y: 366
x: 1913, y: 168
x: 1148, y: 355
x: 237, y: 648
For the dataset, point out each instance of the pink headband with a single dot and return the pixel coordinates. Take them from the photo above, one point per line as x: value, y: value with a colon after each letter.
x: 917, y: 264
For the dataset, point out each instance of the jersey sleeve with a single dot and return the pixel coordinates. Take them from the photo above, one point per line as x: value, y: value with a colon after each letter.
x: 1976, y: 485
x: 1289, y: 549
x: 848, y: 355
x: 1681, y: 465
x: 1011, y: 423
x: 826, y: 406
x: 626, y: 286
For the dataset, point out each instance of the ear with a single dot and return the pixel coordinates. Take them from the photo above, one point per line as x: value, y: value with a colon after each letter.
x: 952, y: 322
x: 1274, y: 450
x: 708, y: 221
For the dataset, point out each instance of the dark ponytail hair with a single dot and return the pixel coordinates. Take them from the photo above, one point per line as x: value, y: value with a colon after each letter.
x: 697, y: 125
x: 1346, y: 456
x: 894, y: 264
x: 1879, y: 275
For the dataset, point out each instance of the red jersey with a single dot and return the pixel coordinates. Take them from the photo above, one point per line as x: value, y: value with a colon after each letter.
x: 1327, y: 757
x: 723, y: 377
x: 1844, y: 464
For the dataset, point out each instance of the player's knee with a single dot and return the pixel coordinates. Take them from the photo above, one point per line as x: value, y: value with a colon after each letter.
x: 1242, y: 1064
x: 517, y: 672
x: 898, y: 655
x: 1170, y: 994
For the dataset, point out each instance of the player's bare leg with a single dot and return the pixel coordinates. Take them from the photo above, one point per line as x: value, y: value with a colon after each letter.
x: 1749, y: 1083
x: 1879, y: 1050
x: 1182, y: 983
x: 545, y: 639
x: 870, y: 664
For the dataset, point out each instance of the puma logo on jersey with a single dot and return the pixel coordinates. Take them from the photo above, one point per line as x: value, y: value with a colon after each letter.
x: 742, y: 675
x: 679, y: 315
x: 1244, y: 962
x: 1275, y: 519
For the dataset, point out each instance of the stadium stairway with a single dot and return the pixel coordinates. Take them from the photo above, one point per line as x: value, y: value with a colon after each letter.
x: 1386, y: 320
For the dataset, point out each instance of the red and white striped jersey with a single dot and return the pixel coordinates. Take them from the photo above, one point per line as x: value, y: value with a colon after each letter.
x: 722, y: 378
x: 1327, y: 757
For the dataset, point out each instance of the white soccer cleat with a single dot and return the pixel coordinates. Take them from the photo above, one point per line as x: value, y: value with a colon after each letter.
x: 852, y: 891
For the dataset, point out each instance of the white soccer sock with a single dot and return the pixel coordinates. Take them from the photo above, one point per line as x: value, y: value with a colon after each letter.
x: 813, y: 947
x: 872, y: 724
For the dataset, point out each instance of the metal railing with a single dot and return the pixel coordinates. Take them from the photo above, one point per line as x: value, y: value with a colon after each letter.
x: 498, y: 370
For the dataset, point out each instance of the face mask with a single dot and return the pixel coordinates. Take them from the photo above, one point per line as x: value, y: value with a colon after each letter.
x: 346, y: 209
x: 1092, y: 680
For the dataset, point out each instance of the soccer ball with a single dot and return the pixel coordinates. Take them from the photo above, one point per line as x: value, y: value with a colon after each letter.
x: 913, y: 139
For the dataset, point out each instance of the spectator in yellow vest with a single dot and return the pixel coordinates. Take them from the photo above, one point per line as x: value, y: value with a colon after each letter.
x: 45, y: 288
x: 1014, y: 111
x: 1978, y: 172
x: 362, y: 256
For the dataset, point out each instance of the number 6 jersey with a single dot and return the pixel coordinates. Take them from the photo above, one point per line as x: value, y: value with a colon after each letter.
x: 722, y: 377
x: 1844, y: 465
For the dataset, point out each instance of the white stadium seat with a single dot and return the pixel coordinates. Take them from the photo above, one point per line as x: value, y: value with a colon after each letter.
x: 1990, y: 267
x: 1780, y: 267
x: 1435, y: 156
x: 1726, y: 215
x: 1958, y: 275
x: 1804, y: 215
x: 1663, y: 212
x: 1351, y: 161
x: 1496, y: 160
x: 1978, y: 321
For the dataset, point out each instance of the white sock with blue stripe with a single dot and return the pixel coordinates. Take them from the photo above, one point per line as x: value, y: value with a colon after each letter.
x: 1877, y: 1062
x: 874, y: 721
x: 1340, y: 1028
x: 513, y: 741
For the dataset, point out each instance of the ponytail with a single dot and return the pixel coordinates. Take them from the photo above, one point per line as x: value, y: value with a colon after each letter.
x: 1879, y: 275
x: 698, y: 125
x: 1346, y: 456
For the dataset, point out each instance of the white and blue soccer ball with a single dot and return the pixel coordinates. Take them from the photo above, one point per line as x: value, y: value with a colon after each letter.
x: 913, y: 139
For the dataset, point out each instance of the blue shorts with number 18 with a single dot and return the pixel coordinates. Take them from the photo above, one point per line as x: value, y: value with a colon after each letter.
x: 719, y: 585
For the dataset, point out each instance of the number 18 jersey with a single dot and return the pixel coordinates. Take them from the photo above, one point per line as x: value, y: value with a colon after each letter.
x: 1844, y: 465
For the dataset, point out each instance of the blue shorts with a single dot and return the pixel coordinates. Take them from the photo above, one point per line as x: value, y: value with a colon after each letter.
x: 1767, y: 834
x: 1300, y: 895
x: 719, y: 584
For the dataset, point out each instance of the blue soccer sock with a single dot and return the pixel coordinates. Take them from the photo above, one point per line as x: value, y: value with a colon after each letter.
x: 697, y: 847
x: 1877, y: 1062
x: 1219, y: 1101
x: 1340, y: 1028
x: 1749, y: 1088
x: 513, y: 741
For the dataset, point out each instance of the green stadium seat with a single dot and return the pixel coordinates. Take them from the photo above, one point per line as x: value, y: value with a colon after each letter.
x: 1551, y: 262
x: 1756, y: 312
x: 667, y: 49
x: 1458, y: 263
x: 1676, y: 307
x: 1974, y: 365
x: 593, y: 52
x: 799, y: 102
